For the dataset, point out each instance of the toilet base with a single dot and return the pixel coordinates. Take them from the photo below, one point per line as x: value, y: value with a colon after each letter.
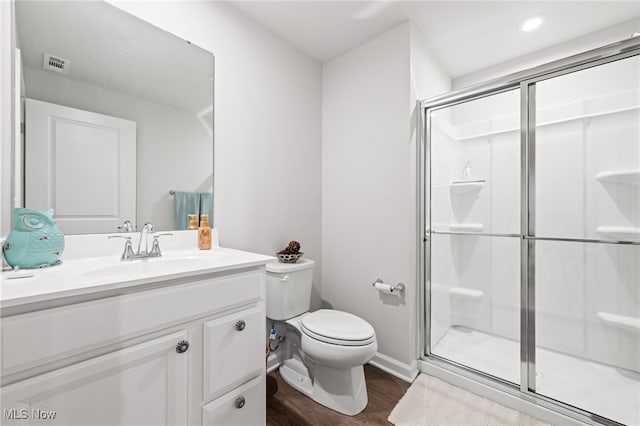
x: 342, y: 389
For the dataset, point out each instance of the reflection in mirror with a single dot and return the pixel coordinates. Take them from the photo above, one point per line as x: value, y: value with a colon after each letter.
x: 118, y: 116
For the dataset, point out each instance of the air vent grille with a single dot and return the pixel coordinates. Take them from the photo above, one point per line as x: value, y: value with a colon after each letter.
x: 55, y: 63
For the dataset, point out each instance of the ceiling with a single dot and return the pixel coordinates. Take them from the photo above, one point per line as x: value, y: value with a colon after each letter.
x: 464, y: 36
x: 111, y: 49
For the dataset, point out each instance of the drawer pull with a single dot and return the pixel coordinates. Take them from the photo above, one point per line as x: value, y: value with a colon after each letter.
x: 239, y: 402
x: 240, y: 325
x: 182, y: 346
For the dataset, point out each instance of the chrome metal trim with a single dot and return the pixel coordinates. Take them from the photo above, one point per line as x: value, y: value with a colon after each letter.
x: 469, y: 97
x: 426, y: 116
x: 629, y: 46
x: 594, y: 63
x: 530, y: 250
x: 420, y: 237
x: 476, y: 234
x: 582, y: 240
x: 524, y: 222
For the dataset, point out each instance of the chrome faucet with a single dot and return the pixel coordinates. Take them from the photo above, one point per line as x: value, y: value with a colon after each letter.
x: 143, y: 251
x: 144, y: 236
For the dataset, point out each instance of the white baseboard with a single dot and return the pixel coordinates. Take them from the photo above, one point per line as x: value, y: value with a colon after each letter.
x: 406, y: 372
x: 515, y: 402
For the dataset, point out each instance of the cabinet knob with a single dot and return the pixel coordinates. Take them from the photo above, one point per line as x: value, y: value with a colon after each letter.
x: 239, y: 402
x: 240, y: 325
x: 182, y: 346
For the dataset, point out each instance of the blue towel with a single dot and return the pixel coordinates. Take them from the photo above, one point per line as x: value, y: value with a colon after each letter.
x: 206, y: 206
x: 185, y: 203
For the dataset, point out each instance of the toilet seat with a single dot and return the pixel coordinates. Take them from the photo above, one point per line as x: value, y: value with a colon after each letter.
x: 337, y: 328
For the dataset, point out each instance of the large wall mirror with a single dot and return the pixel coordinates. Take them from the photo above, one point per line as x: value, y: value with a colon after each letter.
x: 118, y: 118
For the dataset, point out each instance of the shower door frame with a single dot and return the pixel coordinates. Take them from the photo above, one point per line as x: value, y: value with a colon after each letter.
x: 525, y: 82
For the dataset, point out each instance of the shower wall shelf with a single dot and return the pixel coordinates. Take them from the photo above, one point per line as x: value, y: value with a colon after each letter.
x: 464, y: 186
x: 466, y: 293
x: 623, y: 176
x: 627, y: 323
x: 466, y: 227
x: 619, y: 233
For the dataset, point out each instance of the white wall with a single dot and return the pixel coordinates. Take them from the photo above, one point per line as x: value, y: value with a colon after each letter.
x: 267, y: 127
x: 174, y: 149
x: 369, y: 194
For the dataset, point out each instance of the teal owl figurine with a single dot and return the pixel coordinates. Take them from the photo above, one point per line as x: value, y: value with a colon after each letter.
x: 35, y: 241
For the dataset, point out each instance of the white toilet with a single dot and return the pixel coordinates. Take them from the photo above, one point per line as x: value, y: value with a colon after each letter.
x: 334, y: 344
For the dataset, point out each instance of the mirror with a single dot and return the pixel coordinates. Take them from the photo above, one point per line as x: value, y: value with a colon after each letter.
x: 117, y: 114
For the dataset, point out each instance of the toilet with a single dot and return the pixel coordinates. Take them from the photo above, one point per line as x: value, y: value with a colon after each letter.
x: 333, y: 345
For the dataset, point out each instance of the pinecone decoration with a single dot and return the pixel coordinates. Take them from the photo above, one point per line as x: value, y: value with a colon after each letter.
x: 292, y: 248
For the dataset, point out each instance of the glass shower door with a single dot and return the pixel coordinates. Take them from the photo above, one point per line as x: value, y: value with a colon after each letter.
x: 474, y: 163
x: 586, y: 233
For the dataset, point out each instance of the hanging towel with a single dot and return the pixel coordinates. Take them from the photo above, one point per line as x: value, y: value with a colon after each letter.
x: 206, y: 205
x: 185, y: 203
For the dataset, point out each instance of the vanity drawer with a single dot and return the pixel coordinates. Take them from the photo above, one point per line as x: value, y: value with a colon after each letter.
x: 243, y: 406
x: 233, y: 350
x: 50, y: 335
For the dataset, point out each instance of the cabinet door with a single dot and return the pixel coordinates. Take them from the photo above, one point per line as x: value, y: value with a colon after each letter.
x: 244, y: 406
x: 233, y: 350
x: 145, y: 384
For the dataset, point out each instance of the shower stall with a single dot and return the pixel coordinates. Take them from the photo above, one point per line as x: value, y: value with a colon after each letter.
x: 530, y: 228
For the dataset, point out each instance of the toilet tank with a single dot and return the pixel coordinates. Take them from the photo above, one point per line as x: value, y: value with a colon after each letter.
x: 288, y: 287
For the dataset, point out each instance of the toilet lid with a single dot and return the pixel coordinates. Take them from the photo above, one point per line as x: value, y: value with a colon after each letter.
x: 337, y: 327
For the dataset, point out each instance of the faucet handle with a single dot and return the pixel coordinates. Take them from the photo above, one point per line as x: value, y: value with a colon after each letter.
x: 126, y: 226
x: 162, y: 235
x: 128, y: 247
x: 155, y: 248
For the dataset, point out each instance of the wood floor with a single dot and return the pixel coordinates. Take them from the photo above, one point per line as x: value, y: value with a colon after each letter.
x: 287, y: 406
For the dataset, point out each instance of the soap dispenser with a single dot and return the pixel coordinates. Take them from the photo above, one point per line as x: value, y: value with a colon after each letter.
x: 193, y: 221
x: 204, y: 233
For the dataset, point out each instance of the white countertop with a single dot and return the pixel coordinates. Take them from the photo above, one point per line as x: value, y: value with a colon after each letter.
x: 91, y: 275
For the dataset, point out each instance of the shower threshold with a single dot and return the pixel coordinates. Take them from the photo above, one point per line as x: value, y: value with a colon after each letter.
x: 601, y: 389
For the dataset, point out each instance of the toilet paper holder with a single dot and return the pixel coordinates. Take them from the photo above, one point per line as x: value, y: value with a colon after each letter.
x: 396, y: 289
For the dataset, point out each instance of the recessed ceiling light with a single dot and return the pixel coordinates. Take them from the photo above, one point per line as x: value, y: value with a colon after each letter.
x: 531, y: 24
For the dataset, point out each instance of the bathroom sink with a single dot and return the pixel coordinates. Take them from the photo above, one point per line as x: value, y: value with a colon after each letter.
x: 151, y: 266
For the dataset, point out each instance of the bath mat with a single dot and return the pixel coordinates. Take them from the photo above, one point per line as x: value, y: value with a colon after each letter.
x: 432, y: 402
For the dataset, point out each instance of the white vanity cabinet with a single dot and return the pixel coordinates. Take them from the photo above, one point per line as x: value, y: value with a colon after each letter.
x: 177, y: 352
x: 145, y: 384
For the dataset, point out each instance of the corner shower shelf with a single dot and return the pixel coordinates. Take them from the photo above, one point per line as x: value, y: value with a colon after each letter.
x: 463, y: 186
x: 631, y: 177
x: 619, y: 233
x: 627, y: 323
x: 466, y: 293
x: 466, y: 227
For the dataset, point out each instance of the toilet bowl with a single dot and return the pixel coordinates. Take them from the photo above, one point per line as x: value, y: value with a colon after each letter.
x: 333, y: 346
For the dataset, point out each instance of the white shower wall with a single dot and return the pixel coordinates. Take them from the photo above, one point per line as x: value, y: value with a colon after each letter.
x: 588, y: 124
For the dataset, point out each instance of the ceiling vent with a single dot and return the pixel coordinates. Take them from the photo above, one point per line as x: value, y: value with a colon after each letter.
x: 55, y: 63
